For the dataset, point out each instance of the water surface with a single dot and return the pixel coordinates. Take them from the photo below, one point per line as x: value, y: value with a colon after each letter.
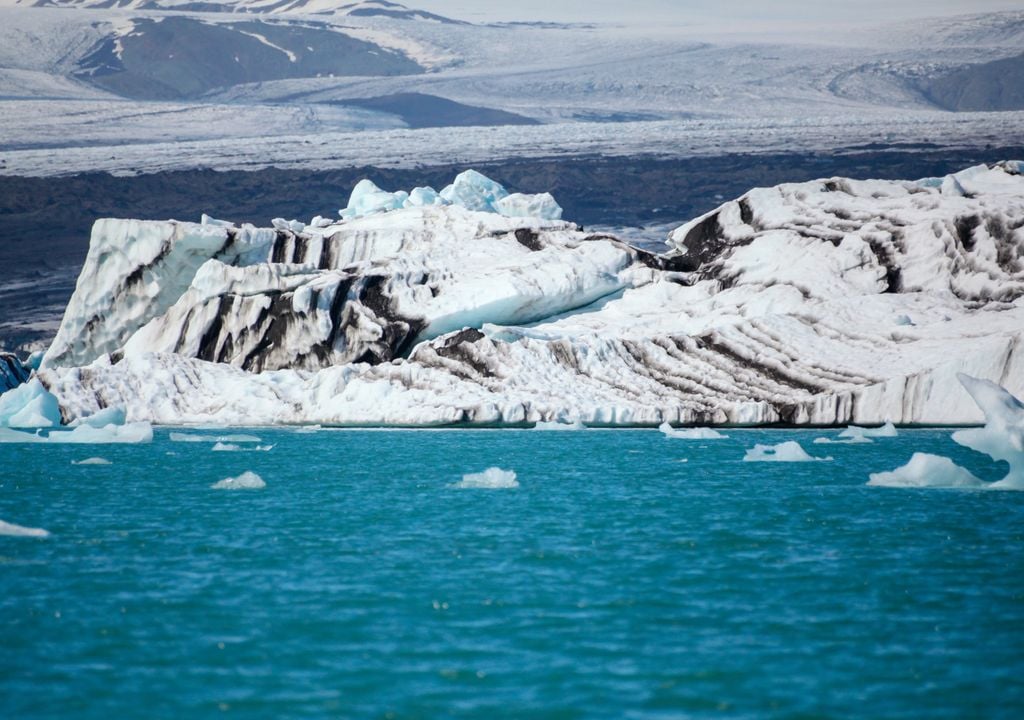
x: 616, y: 581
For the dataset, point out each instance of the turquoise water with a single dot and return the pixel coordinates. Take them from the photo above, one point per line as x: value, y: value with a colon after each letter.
x: 614, y: 582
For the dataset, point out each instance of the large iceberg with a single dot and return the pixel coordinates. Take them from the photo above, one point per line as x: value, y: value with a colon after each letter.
x: 829, y: 302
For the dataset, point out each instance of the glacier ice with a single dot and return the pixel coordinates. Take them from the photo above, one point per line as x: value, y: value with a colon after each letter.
x: 12, y: 371
x: 927, y: 470
x: 12, y: 530
x: 559, y: 425
x: 29, y: 405
x: 471, y: 190
x: 776, y: 307
x: 1002, y: 437
x: 490, y: 479
x: 248, y: 480
x: 789, y: 451
x: 691, y: 433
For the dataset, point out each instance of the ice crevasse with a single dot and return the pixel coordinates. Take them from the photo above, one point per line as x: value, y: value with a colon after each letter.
x: 830, y: 302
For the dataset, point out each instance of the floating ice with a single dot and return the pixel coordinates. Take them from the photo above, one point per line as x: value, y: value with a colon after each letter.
x: 700, y: 433
x: 368, y: 199
x: 106, y: 416
x: 789, y: 451
x: 490, y: 479
x: 558, y: 425
x: 92, y: 461
x: 530, y: 206
x: 246, y: 481
x: 926, y: 470
x: 139, y: 432
x: 13, y: 530
x: 859, y: 434
x: 29, y: 406
x: 185, y: 437
x: 1002, y: 437
x: 230, y: 447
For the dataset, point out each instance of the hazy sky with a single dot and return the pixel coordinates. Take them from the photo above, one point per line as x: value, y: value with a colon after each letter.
x: 701, y: 12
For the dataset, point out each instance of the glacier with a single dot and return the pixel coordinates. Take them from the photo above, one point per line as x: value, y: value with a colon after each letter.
x: 787, y: 305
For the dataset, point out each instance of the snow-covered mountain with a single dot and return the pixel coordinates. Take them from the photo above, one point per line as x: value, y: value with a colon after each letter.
x: 339, y: 8
x: 824, y: 302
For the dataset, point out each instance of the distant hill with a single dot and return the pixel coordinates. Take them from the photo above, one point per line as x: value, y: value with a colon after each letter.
x: 365, y: 8
x: 997, y: 85
x: 178, y: 57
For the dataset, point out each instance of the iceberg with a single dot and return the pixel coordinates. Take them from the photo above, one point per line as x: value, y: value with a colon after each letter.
x: 789, y: 451
x: 926, y: 470
x: 775, y: 308
x: 859, y: 434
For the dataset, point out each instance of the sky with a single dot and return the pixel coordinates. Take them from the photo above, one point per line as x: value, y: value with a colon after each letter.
x: 703, y: 12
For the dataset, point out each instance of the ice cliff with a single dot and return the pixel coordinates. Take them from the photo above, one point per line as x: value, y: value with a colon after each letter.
x: 825, y: 302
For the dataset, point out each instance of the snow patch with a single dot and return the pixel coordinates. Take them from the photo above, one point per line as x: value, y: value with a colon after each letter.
x: 490, y: 479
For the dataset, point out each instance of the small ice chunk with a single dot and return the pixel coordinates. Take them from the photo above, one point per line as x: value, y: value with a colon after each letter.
x: 926, y: 470
x: 321, y: 222
x: 904, y: 320
x: 368, y: 199
x: 207, y: 220
x: 13, y: 530
x: 92, y: 461
x: 246, y: 481
x: 789, y: 451
x: 699, y: 433
x: 474, y: 191
x: 490, y: 479
x: 424, y: 196
x: 186, y: 437
x: 518, y: 205
x: 230, y: 447
x: 860, y: 434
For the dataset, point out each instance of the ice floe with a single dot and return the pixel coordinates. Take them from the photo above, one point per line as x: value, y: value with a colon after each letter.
x: 789, y: 451
x: 230, y: 447
x: 92, y: 461
x: 12, y: 530
x: 232, y: 439
x: 559, y: 425
x: 246, y: 481
x: 490, y: 479
x: 699, y: 433
x: 130, y: 433
x: 1001, y: 438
